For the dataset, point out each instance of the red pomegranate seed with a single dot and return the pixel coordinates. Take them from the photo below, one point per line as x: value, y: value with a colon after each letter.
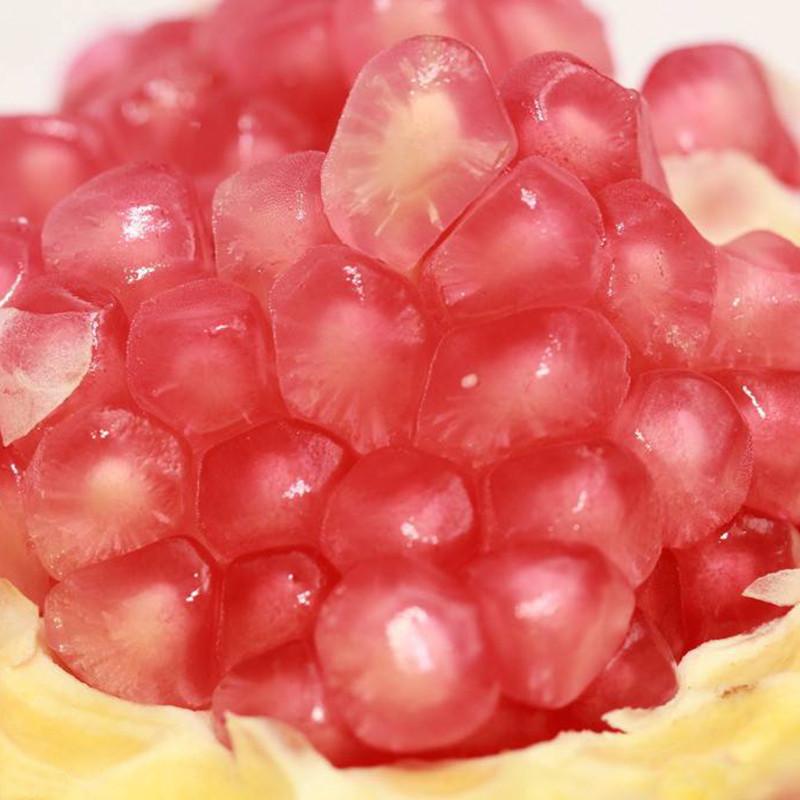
x: 690, y: 435
x: 661, y: 286
x: 95, y: 65
x: 111, y: 58
x: 401, y: 649
x: 659, y: 599
x: 104, y: 384
x: 525, y: 27
x: 534, y: 238
x: 715, y: 572
x: 269, y: 600
x: 583, y: 121
x: 756, y: 319
x: 769, y: 401
x: 141, y: 626
x: 511, y: 727
x: 61, y: 351
x: 716, y: 97
x: 591, y: 492
x: 554, y: 615
x: 170, y: 107
x: 44, y: 159
x: 352, y: 346
x: 135, y: 230
x: 102, y: 484
x: 498, y: 387
x: 266, y: 218
x: 302, y: 72
x: 363, y: 28
x: 18, y: 561
x: 200, y: 358
x: 267, y: 488
x: 399, y: 502
x: 766, y: 250
x: 267, y: 130
x: 285, y: 685
x: 640, y: 675
x: 423, y: 133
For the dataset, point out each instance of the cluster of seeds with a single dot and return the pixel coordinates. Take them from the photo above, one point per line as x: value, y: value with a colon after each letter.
x: 432, y: 442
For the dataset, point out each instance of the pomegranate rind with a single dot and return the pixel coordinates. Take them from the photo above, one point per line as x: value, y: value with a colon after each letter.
x: 732, y: 732
x: 727, y: 194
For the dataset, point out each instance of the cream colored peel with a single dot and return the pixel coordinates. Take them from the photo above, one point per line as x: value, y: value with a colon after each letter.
x: 733, y: 733
x: 726, y: 194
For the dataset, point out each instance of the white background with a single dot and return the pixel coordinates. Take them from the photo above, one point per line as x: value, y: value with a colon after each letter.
x: 37, y: 36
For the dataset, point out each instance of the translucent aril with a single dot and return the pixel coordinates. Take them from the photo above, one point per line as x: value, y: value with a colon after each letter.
x: 400, y: 502
x: 423, y: 133
x: 498, y: 387
x: 102, y: 484
x: 402, y: 652
x: 689, y: 433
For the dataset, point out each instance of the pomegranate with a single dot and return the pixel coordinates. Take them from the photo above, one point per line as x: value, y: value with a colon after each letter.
x: 358, y: 372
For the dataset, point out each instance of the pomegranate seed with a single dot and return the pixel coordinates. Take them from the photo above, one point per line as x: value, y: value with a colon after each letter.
x: 641, y: 675
x: 103, y: 484
x: 18, y: 561
x: 554, y: 615
x: 266, y: 218
x: 525, y: 27
x: 661, y: 286
x: 267, y: 130
x: 401, y: 649
x: 61, y: 351
x: 94, y: 66
x: 755, y: 319
x: 171, y: 107
x: 20, y: 259
x: 591, y: 492
x: 511, y: 727
x: 423, y: 133
x: 285, y: 685
x: 200, y: 358
x: 267, y: 488
x: 44, y: 159
x: 302, y: 72
x: 501, y: 386
x: 769, y: 402
x: 659, y: 599
x: 716, y: 97
x: 534, y: 238
x: 766, y: 250
x: 715, y: 572
x: 364, y: 28
x: 398, y: 502
x: 140, y: 626
x: 104, y: 384
x: 690, y: 435
x: 352, y: 346
x: 111, y: 58
x: 583, y: 121
x: 269, y: 600
x: 135, y: 230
